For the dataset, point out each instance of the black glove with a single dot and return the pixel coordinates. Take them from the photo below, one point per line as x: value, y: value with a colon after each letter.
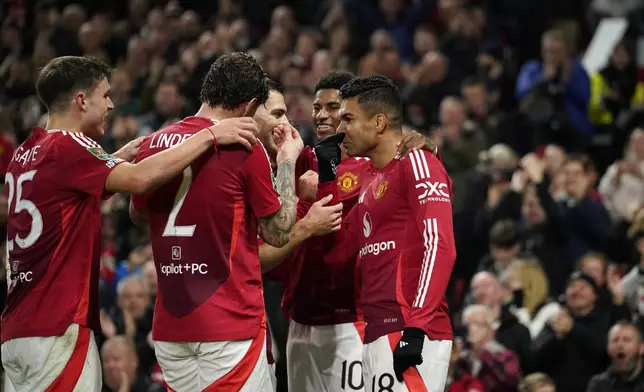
x: 328, y: 153
x: 408, y: 351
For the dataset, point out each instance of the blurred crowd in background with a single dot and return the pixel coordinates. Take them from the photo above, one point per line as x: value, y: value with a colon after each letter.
x: 547, y: 159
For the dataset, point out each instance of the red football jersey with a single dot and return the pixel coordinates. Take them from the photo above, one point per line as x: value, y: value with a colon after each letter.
x: 403, y: 232
x: 203, y: 226
x: 316, y: 292
x: 55, y: 182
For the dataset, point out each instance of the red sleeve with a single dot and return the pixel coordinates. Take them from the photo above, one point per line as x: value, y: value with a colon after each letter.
x: 262, y: 197
x: 429, y: 194
x: 84, y: 164
x: 343, y: 245
x: 141, y: 201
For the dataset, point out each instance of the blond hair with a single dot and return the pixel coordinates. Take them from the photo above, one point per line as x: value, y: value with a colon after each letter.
x: 534, y: 282
x: 533, y: 381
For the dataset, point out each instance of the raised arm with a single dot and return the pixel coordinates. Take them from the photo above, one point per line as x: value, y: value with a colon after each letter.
x: 275, y: 229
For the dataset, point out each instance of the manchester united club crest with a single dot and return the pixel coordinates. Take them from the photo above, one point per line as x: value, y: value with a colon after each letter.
x: 347, y: 182
x: 382, y: 188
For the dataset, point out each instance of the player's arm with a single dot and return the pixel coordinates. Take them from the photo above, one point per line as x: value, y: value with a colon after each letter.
x: 429, y: 196
x: 276, y: 228
x: 320, y: 219
x: 151, y: 172
x: 428, y: 190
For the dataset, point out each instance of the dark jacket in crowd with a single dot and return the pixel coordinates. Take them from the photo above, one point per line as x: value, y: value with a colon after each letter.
x: 574, y: 359
x: 515, y: 337
x: 589, y: 227
x: 610, y: 381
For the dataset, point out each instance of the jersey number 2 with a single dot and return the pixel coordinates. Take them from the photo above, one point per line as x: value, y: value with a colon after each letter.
x: 171, y: 229
x: 23, y: 205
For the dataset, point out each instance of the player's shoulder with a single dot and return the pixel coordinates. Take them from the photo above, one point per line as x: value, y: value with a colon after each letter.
x: 72, y: 139
x: 421, y: 164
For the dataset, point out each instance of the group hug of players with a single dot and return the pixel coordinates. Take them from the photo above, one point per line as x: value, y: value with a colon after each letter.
x: 364, y: 247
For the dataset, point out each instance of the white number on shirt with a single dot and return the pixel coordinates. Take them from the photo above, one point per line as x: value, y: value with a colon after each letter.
x: 23, y: 205
x: 171, y: 230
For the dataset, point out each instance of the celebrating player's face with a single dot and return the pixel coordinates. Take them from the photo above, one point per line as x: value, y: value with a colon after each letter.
x: 326, y: 112
x: 268, y: 116
x: 360, y: 134
x: 97, y: 106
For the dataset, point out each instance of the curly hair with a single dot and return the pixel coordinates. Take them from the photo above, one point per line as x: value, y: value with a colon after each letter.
x: 62, y: 76
x: 376, y: 94
x: 233, y: 79
x: 334, y: 80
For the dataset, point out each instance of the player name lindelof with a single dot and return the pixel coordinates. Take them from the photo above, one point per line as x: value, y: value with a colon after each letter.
x: 168, y: 140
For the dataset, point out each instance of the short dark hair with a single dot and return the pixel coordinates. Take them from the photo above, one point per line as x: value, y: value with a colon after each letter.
x: 376, y: 94
x: 274, y: 85
x: 62, y: 76
x: 334, y: 80
x: 504, y: 234
x: 627, y: 323
x: 586, y: 163
x: 234, y: 78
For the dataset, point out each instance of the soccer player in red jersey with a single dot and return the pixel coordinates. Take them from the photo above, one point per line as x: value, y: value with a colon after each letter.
x: 402, y: 230
x: 324, y: 344
x: 55, y: 182
x: 209, y: 327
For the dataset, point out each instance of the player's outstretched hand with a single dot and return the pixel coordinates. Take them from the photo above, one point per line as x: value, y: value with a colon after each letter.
x: 408, y: 351
x: 289, y: 143
x: 242, y: 130
x: 128, y: 152
x: 328, y: 153
x: 412, y: 141
x: 322, y: 218
x: 307, y: 187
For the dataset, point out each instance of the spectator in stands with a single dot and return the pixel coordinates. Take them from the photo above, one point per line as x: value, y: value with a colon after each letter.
x: 572, y: 347
x: 610, y: 289
x: 554, y: 94
x: 505, y: 246
x: 529, y: 286
x: 485, y: 114
x: 121, y: 368
x: 587, y: 221
x: 545, y: 232
x: 132, y: 317
x: 459, y: 374
x: 615, y: 90
x: 626, y: 372
x: 508, y: 331
x: 168, y: 108
x: 497, y: 367
x: 633, y: 281
x: 537, y: 382
x: 622, y: 187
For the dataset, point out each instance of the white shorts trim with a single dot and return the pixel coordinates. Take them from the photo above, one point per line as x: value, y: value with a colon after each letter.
x: 35, y: 363
x: 378, y: 362
x: 324, y: 358
x: 216, y: 366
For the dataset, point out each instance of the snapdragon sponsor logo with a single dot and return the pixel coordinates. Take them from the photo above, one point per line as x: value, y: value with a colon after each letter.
x: 377, y: 248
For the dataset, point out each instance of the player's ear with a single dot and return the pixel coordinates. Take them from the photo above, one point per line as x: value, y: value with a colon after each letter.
x: 80, y: 99
x: 381, y: 122
x: 251, y: 108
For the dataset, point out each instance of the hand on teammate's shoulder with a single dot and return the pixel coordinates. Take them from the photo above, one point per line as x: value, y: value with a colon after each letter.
x: 242, y: 130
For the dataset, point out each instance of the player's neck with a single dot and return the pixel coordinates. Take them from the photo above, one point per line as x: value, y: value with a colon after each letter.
x: 386, y: 149
x: 215, y: 113
x: 63, y: 122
